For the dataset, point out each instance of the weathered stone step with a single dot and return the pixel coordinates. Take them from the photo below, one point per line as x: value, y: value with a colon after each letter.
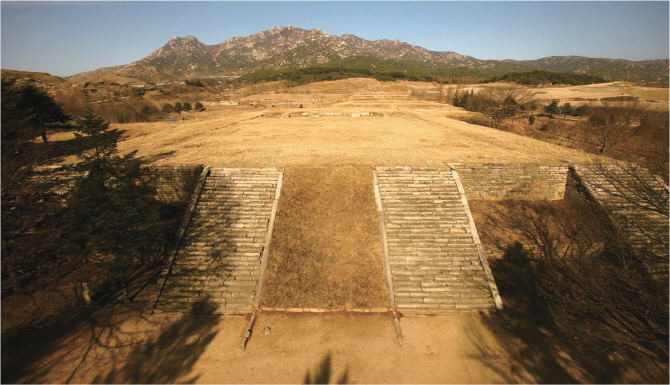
x: 425, y: 307
x: 191, y: 280
x: 434, y: 263
x: 450, y: 297
x: 219, y: 258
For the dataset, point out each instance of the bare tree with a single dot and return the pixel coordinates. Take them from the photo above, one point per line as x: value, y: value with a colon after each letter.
x: 590, y: 280
x: 637, y: 203
x: 597, y: 275
x: 504, y: 102
x: 617, y: 121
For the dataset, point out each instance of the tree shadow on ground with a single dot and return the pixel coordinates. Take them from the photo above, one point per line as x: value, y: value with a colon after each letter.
x: 58, y: 150
x: 33, y: 348
x: 535, y: 355
x: 169, y: 357
x: 539, y: 350
x: 148, y: 159
x: 324, y: 374
x: 553, y: 298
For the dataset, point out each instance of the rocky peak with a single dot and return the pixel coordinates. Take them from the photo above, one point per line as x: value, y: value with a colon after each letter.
x: 179, y: 46
x: 291, y: 46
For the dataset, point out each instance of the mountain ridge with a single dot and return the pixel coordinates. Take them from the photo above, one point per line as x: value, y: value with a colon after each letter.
x: 283, y: 47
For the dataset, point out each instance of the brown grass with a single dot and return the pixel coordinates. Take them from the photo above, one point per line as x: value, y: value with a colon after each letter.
x: 504, y: 226
x: 326, y: 251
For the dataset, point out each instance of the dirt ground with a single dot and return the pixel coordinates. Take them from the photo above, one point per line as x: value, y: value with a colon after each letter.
x: 118, y: 345
x: 326, y: 251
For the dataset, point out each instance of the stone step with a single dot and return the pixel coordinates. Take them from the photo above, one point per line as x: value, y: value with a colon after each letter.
x: 429, y: 307
x: 219, y: 259
x: 435, y: 265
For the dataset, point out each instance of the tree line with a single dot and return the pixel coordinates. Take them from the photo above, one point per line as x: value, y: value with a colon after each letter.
x: 392, y: 70
x: 179, y: 107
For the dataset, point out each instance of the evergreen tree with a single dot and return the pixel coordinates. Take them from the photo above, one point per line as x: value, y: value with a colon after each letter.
x: 465, y: 101
x: 552, y: 108
x: 199, y: 106
x: 186, y: 107
x: 178, y: 107
x: 566, y: 110
x: 167, y: 108
x: 456, y: 101
x: 111, y: 208
x: 32, y: 232
x: 38, y: 110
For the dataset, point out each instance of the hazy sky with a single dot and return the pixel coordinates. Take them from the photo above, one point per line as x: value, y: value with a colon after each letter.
x: 64, y: 38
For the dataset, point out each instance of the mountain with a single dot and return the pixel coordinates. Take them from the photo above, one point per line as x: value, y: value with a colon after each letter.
x: 290, y: 47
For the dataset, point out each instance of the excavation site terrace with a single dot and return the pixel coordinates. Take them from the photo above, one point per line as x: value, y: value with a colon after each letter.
x: 347, y: 231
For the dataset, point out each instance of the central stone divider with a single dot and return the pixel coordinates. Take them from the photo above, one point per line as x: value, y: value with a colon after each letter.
x: 435, y: 261
x: 218, y: 268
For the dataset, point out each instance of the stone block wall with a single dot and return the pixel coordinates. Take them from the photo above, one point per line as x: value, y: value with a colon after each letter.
x: 173, y: 183
x: 513, y: 181
x: 576, y: 192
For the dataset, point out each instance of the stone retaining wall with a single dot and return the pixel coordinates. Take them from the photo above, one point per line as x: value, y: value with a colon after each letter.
x: 173, y: 183
x: 513, y: 181
x: 576, y: 192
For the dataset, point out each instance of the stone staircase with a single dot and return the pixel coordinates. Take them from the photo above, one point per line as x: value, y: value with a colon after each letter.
x: 217, y: 268
x: 626, y: 192
x: 434, y: 260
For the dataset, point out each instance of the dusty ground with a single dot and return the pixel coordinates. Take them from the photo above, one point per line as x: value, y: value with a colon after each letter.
x: 120, y: 346
x: 326, y: 251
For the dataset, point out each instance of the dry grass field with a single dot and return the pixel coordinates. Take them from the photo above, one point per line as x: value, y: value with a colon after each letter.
x: 406, y: 128
x: 326, y: 251
x: 414, y: 132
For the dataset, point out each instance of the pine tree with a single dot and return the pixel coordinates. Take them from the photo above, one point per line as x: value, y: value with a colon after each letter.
x: 39, y: 110
x: 566, y: 110
x: 552, y: 108
x: 110, y: 207
x: 456, y: 101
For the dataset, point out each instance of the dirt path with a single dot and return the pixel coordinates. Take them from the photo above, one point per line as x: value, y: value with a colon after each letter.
x: 298, y: 348
x: 326, y: 251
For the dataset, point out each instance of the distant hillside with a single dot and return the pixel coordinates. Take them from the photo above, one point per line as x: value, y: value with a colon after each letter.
x: 537, y: 77
x: 41, y: 79
x: 292, y: 48
x: 652, y: 71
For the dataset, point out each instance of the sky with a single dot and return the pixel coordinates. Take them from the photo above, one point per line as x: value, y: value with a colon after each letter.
x: 65, y: 38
